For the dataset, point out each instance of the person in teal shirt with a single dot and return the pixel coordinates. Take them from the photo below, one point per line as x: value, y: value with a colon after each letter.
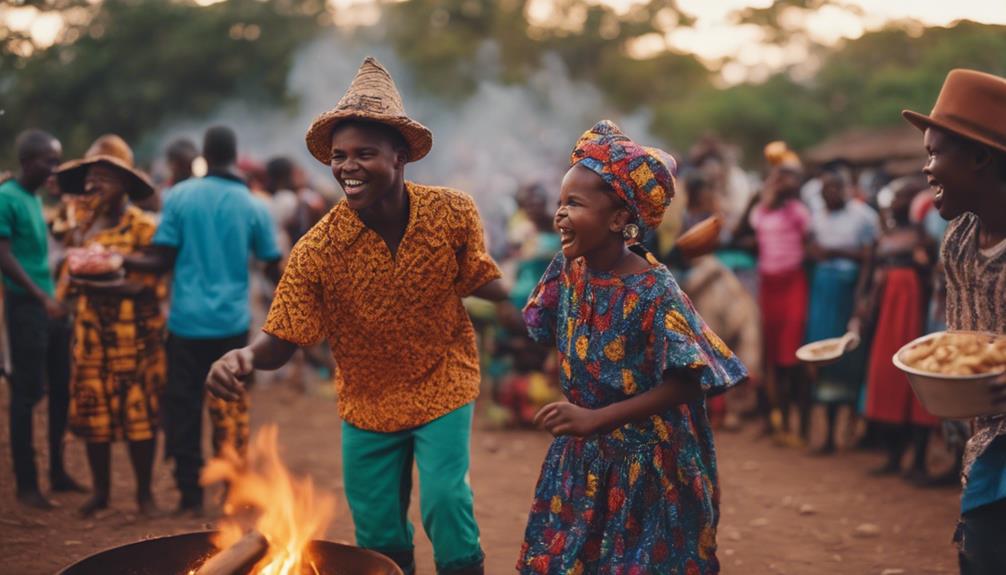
x: 36, y: 322
x: 210, y: 229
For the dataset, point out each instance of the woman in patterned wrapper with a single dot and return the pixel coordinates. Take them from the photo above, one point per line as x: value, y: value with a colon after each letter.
x: 629, y: 484
x: 118, y: 351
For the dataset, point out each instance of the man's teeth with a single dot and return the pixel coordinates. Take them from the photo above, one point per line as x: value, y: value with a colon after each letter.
x: 352, y: 183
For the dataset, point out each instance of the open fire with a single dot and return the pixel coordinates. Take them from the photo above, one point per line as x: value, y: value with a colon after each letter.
x: 267, y: 510
x: 273, y: 526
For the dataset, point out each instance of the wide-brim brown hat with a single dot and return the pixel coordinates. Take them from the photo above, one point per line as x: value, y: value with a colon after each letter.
x: 971, y: 104
x: 372, y: 96
x: 110, y: 150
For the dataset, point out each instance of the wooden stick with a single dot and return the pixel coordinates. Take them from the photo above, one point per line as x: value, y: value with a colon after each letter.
x: 238, y: 558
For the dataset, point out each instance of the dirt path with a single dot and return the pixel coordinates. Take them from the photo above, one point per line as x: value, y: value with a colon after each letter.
x: 782, y: 511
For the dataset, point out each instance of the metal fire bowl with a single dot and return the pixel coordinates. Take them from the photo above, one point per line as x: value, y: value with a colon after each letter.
x: 179, y: 554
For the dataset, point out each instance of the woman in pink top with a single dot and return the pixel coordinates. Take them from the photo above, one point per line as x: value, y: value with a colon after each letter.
x: 782, y: 224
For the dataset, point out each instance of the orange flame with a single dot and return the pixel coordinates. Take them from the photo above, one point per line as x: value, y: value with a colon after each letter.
x: 290, y: 512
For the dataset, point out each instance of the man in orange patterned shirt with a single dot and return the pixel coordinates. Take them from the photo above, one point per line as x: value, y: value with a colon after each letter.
x: 381, y: 278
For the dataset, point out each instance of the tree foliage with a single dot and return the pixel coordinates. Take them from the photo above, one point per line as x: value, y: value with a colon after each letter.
x: 130, y: 66
x: 865, y: 82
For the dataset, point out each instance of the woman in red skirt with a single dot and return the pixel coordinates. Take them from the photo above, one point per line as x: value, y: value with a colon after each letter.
x: 898, y: 303
x: 781, y: 223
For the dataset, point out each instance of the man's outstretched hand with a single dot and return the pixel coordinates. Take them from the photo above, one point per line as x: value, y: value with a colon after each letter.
x: 227, y: 375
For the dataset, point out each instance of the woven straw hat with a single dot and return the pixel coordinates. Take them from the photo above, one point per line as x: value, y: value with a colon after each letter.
x: 371, y: 96
x: 110, y: 150
x: 971, y: 104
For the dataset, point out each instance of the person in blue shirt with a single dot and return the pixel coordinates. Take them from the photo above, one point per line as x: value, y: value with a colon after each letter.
x: 36, y: 321
x: 210, y: 229
x: 965, y: 138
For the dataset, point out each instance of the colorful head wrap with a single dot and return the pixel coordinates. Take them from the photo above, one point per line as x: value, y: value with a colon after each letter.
x: 641, y: 177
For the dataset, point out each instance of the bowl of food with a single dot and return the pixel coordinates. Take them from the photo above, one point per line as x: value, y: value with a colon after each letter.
x: 827, y: 351
x: 94, y: 263
x: 950, y: 371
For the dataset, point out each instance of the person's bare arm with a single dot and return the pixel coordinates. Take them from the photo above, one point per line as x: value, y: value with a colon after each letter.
x: 152, y: 259
x: 227, y: 375
x: 564, y: 418
x: 272, y: 272
x: 494, y: 290
x: 864, y: 292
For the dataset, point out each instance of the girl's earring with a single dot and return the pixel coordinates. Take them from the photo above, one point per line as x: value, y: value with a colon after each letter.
x: 630, y: 232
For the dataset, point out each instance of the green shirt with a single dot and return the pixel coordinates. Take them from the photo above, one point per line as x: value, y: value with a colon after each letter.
x: 21, y: 222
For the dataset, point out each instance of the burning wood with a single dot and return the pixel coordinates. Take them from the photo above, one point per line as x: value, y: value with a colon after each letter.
x: 238, y: 557
x: 285, y: 511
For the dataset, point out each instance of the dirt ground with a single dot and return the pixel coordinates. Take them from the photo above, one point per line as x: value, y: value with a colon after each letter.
x: 782, y: 511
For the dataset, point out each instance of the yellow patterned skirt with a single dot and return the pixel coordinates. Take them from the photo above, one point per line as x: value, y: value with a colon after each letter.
x: 119, y: 368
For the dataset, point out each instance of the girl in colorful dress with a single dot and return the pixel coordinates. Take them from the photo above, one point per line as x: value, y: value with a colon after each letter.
x: 629, y: 485
x: 118, y: 351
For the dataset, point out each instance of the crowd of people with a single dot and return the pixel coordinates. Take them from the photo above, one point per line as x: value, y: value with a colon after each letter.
x: 628, y: 367
x: 115, y: 367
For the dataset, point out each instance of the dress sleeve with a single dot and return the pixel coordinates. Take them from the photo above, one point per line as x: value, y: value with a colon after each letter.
x: 144, y: 228
x: 297, y: 310
x: 802, y: 216
x: 541, y: 311
x: 685, y: 345
x: 475, y: 267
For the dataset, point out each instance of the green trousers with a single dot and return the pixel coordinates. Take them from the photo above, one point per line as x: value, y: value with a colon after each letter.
x: 377, y: 471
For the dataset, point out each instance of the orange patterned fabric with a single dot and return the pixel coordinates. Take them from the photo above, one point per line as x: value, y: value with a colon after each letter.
x: 403, y: 343
x: 119, y: 363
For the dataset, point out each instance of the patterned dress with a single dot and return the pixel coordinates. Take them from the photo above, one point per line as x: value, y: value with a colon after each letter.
x: 643, y: 498
x: 118, y: 352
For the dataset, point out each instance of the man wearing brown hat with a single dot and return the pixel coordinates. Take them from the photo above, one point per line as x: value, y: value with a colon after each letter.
x: 36, y: 321
x: 381, y: 277
x: 965, y: 136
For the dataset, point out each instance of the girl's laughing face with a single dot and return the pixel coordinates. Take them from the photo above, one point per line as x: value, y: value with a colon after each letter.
x: 948, y: 172
x: 590, y: 217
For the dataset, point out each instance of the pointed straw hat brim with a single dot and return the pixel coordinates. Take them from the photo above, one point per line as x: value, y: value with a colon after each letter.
x: 319, y: 136
x: 71, y: 176
x: 372, y: 96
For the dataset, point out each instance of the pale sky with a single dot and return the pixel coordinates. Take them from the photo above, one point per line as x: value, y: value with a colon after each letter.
x: 715, y: 38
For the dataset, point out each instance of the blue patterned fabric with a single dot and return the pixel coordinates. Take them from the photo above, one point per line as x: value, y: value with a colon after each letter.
x: 643, y: 498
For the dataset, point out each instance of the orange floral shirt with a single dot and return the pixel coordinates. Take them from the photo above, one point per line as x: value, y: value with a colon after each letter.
x: 402, y: 341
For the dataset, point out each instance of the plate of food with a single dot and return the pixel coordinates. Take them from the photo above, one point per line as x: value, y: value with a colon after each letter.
x: 829, y: 350
x: 94, y: 263
x: 950, y: 371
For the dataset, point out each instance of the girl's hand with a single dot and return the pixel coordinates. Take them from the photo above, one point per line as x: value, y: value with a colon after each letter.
x: 564, y: 418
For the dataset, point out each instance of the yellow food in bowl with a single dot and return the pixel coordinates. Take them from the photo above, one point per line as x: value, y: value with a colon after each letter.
x: 958, y: 354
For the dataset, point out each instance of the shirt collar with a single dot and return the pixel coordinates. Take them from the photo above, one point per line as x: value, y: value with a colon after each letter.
x: 349, y: 226
x: 226, y: 175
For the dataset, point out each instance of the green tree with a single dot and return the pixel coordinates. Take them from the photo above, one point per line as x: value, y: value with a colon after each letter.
x: 132, y: 65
